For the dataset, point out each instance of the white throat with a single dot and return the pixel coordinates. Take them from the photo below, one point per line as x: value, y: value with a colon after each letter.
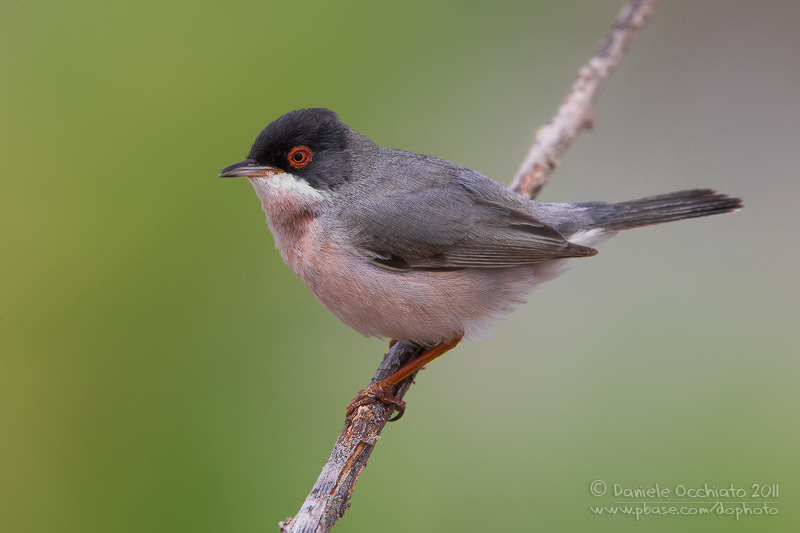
x: 283, y: 185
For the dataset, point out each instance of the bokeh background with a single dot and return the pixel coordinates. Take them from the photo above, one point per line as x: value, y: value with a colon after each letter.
x: 162, y: 370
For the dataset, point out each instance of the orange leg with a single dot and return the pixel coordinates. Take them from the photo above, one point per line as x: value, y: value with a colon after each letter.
x: 384, y: 390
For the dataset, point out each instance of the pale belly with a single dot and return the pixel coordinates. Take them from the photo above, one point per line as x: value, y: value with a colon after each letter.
x: 417, y: 306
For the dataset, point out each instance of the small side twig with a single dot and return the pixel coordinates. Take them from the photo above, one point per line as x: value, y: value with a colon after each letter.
x: 329, y: 498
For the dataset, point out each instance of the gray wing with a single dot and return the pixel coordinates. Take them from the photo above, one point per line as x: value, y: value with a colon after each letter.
x: 459, y: 220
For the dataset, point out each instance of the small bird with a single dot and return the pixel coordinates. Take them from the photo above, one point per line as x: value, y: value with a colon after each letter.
x: 417, y: 249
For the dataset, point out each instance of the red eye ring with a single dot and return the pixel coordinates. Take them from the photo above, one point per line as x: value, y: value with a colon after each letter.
x: 299, y: 156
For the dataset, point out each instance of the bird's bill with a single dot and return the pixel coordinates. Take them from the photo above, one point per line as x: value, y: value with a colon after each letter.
x: 248, y: 169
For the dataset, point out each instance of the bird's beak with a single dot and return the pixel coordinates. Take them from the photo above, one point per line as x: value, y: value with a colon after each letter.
x: 248, y: 169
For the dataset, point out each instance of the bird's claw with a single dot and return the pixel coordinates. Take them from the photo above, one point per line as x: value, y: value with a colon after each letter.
x: 381, y: 392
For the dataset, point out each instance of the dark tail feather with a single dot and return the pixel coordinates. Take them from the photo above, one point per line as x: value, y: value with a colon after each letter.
x: 664, y: 208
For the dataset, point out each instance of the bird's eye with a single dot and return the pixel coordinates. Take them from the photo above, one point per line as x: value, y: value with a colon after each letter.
x: 299, y: 156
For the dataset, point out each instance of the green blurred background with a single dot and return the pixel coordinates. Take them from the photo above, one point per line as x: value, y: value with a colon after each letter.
x: 162, y: 370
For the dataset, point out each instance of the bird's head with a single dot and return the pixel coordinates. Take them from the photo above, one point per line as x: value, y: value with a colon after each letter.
x: 307, y: 149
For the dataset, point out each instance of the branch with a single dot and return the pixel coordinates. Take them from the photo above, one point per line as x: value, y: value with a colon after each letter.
x: 329, y: 498
x: 577, y: 111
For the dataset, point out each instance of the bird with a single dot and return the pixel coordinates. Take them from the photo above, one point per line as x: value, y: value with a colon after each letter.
x: 417, y: 249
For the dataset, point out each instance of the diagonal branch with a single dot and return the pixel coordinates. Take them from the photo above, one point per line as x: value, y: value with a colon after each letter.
x: 577, y: 111
x: 329, y: 498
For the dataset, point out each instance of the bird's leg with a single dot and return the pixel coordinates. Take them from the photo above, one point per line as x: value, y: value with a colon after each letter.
x: 383, y: 390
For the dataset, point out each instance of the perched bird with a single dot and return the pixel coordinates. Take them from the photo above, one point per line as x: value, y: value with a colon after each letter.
x: 416, y: 249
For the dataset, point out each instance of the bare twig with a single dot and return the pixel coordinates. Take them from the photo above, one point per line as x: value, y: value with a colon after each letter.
x: 577, y: 111
x: 329, y: 498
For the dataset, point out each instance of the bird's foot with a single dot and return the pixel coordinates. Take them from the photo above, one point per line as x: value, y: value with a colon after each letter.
x: 382, y: 392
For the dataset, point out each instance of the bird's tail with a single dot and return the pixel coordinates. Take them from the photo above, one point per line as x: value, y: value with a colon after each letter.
x: 662, y: 208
